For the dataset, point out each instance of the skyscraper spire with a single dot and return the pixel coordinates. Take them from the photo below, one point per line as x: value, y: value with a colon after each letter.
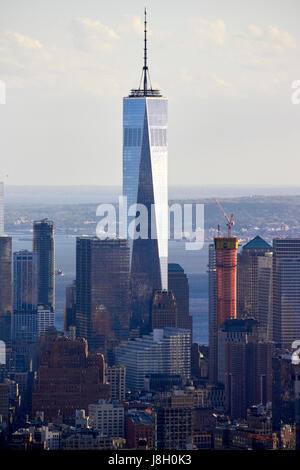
x: 145, y: 87
x: 145, y: 68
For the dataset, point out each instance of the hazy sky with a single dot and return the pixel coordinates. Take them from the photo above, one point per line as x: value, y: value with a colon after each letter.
x: 226, y: 66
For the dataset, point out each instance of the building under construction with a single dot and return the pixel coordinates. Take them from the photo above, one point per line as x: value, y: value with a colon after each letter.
x: 226, y: 275
x: 222, y: 289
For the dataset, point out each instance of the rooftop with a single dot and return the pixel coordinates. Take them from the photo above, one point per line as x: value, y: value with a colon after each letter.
x: 257, y: 243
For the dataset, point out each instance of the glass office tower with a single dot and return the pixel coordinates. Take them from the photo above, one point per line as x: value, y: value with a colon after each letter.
x: 145, y: 152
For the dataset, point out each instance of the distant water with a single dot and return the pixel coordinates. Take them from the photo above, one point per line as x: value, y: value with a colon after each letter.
x: 99, y: 194
x: 193, y: 262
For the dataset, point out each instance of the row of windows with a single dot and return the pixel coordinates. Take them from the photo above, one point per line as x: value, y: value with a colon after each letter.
x: 159, y: 137
x: 133, y: 137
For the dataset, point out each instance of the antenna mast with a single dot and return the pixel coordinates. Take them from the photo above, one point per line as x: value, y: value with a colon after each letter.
x: 145, y: 68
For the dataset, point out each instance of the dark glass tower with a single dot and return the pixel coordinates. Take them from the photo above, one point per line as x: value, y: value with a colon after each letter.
x: 145, y: 170
x: 102, y: 287
x: 43, y: 246
x: 178, y: 283
x: 5, y: 287
x: 286, y: 292
x: 25, y: 281
x: 254, y: 281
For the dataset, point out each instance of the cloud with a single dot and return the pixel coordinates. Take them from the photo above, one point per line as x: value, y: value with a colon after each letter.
x: 91, y: 34
x: 23, y: 41
x: 255, y: 31
x: 281, y: 38
x: 210, y: 31
x: 137, y: 25
x: 220, y: 81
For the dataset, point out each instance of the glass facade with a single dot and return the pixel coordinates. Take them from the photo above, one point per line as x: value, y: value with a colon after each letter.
x: 145, y: 182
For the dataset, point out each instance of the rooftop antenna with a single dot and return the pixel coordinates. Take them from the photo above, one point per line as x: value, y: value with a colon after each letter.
x: 145, y: 86
x: 145, y: 68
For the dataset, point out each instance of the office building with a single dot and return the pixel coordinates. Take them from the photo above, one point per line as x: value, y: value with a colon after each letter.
x: 178, y: 283
x: 145, y: 182
x: 286, y: 297
x: 174, y: 421
x: 102, y: 288
x: 43, y: 247
x: 255, y: 283
x: 68, y: 379
x: 212, y: 315
x: 25, y: 326
x: 45, y: 319
x: 1, y: 209
x: 244, y: 366
x: 165, y: 352
x: 5, y: 288
x: 164, y: 312
x: 70, y: 310
x: 25, y: 278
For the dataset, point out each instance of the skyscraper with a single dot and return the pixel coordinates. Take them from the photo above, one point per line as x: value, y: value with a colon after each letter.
x: 5, y: 287
x: 226, y: 271
x: 5, y: 274
x: 145, y: 182
x: 245, y: 366
x: 255, y: 282
x: 286, y: 297
x: 1, y: 209
x: 222, y: 292
x: 70, y: 310
x: 166, y: 352
x: 178, y: 283
x: 25, y: 281
x: 102, y: 286
x: 212, y: 316
x: 43, y: 246
x: 164, y: 310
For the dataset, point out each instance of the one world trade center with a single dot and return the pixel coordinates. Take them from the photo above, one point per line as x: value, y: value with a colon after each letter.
x: 145, y: 183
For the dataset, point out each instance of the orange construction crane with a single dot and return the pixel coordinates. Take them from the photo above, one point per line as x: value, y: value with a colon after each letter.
x: 230, y: 221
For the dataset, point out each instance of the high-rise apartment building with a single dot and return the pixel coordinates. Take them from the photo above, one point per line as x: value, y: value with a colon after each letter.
x: 116, y: 377
x: 178, y: 283
x: 102, y: 288
x: 165, y: 352
x: 255, y: 283
x: 286, y: 297
x: 43, y: 246
x: 222, y: 292
x: 145, y: 183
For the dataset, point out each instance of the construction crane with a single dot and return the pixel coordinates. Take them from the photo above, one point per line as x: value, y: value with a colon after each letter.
x: 230, y: 221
